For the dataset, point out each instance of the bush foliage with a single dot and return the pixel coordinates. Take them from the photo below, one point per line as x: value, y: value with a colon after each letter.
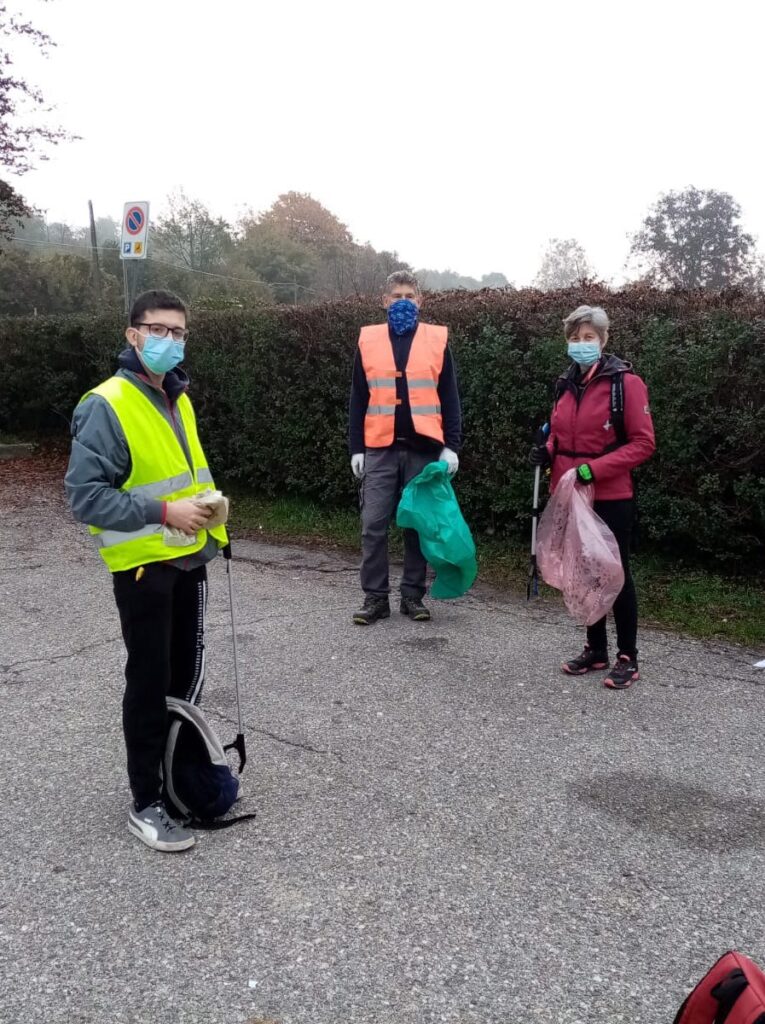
x: 271, y: 392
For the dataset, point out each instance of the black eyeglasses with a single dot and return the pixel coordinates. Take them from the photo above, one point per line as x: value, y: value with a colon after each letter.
x: 162, y: 331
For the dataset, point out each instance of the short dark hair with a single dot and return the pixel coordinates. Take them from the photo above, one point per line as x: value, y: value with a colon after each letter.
x: 155, y: 299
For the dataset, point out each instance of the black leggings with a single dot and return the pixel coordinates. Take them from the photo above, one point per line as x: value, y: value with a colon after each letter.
x: 619, y: 516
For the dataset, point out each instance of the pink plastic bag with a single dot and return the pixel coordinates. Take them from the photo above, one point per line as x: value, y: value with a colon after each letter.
x: 577, y: 553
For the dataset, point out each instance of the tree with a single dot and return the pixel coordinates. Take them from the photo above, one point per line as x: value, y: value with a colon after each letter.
x: 269, y: 255
x: 303, y: 219
x: 23, y: 285
x: 107, y: 231
x: 564, y: 263
x: 368, y: 269
x: 495, y: 280
x: 449, y: 280
x: 306, y: 253
x: 60, y: 283
x: 444, y: 280
x: 22, y: 140
x: 692, y: 239
x: 190, y: 236
x: 13, y: 209
x: 63, y: 236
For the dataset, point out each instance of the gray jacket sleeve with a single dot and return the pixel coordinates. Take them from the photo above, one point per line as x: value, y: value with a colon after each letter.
x: 98, y: 465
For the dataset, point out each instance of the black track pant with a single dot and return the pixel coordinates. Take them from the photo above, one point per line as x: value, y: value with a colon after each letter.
x: 619, y: 516
x: 162, y: 616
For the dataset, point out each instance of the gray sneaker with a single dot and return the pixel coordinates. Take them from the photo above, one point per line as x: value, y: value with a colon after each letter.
x: 154, y: 826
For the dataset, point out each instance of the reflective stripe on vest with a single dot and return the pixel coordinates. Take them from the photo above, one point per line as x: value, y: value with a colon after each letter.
x: 159, y: 470
x: 173, y: 483
x: 426, y: 360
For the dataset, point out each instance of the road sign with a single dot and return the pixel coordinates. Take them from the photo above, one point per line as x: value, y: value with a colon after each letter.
x: 135, y: 228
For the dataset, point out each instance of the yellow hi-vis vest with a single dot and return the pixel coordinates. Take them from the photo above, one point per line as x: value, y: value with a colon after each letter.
x: 159, y: 470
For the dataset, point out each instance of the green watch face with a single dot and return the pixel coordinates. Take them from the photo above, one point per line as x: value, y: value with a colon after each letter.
x: 585, y: 473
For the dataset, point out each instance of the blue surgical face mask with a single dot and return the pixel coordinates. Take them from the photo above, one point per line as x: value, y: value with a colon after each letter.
x: 402, y: 316
x: 585, y: 353
x: 161, y: 354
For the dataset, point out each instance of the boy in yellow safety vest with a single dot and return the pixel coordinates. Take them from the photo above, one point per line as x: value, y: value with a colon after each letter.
x: 135, y: 466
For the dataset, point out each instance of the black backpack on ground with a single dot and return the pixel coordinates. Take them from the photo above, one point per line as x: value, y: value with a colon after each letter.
x: 198, y: 784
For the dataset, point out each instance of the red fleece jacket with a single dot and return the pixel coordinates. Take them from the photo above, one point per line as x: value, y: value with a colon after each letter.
x: 581, y: 422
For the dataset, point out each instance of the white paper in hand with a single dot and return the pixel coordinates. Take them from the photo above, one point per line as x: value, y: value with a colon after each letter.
x: 214, y: 500
x: 219, y: 505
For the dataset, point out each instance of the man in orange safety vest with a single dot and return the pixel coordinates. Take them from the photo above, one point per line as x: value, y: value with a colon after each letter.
x: 404, y: 413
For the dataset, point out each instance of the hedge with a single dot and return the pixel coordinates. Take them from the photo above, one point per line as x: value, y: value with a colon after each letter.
x: 271, y: 391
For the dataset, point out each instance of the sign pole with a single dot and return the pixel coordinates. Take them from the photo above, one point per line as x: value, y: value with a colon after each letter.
x: 126, y: 288
x: 135, y: 230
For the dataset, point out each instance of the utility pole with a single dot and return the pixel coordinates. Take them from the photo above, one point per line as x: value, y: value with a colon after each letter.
x: 95, y: 270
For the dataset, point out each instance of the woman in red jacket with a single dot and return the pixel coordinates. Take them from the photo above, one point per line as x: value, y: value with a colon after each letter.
x: 583, y: 437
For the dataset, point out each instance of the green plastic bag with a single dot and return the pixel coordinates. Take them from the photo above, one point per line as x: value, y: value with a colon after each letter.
x: 429, y: 506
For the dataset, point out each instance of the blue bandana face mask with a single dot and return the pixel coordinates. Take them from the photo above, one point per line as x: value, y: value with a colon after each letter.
x: 161, y: 354
x: 585, y: 353
x: 402, y: 316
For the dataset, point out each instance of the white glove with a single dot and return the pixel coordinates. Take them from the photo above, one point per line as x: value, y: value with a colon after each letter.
x: 357, y: 466
x: 451, y: 459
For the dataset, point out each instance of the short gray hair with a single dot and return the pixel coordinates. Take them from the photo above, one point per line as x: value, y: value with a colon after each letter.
x: 401, y: 277
x: 594, y: 315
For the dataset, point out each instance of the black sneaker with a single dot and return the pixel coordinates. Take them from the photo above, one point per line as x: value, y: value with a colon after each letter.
x: 588, y: 661
x: 623, y: 674
x: 415, y: 609
x: 374, y: 608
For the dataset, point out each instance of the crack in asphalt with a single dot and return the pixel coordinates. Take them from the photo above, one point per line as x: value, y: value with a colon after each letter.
x: 301, y: 746
x: 279, y: 739
x: 296, y: 565
x: 26, y: 662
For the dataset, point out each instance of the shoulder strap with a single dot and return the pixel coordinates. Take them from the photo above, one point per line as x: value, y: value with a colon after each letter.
x: 167, y: 766
x: 727, y: 993
x: 714, y: 998
x: 617, y: 407
x: 193, y: 714
x: 218, y: 823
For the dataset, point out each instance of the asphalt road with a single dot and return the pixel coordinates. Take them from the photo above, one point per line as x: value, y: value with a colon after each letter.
x: 448, y: 829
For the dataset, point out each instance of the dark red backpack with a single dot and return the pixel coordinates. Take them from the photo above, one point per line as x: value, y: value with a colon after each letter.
x: 732, y: 993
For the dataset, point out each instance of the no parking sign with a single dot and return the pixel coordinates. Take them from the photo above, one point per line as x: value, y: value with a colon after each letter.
x: 135, y: 228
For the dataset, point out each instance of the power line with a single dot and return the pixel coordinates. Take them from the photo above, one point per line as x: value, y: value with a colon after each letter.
x: 165, y: 263
x: 226, y: 277
x: 16, y: 240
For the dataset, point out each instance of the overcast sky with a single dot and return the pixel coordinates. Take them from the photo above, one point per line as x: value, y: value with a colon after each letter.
x: 461, y: 135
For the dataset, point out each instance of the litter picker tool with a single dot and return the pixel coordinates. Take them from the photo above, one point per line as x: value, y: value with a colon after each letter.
x: 238, y: 744
x: 532, y: 587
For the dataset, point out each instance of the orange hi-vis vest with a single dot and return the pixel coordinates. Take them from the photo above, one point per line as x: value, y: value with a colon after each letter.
x: 426, y: 360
